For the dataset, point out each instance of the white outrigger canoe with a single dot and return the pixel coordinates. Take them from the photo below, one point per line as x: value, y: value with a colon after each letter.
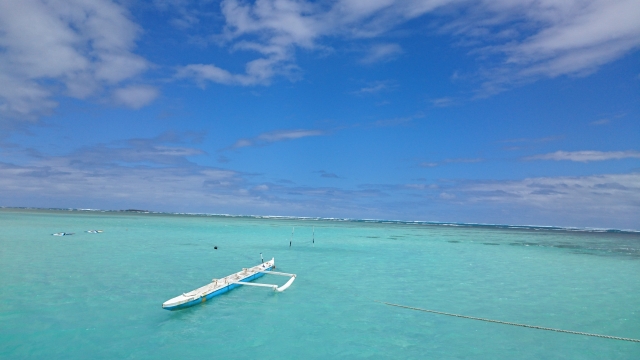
x: 221, y: 286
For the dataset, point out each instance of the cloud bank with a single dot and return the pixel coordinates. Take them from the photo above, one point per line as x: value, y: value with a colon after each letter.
x: 591, y: 201
x: 160, y: 174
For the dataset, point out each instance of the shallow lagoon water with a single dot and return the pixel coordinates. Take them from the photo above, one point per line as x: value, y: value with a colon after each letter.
x: 99, y: 295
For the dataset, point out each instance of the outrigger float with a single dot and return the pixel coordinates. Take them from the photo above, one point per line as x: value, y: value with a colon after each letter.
x: 221, y: 286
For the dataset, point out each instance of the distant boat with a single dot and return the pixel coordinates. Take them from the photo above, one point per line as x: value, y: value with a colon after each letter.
x: 62, y: 234
x: 95, y: 231
x: 221, y: 286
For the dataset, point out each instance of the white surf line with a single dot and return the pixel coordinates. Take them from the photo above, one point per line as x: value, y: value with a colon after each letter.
x: 510, y: 323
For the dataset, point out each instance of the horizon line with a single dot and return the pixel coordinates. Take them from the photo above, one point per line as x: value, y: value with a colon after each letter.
x: 401, y: 222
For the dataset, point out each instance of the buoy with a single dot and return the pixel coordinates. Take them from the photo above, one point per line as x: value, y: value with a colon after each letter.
x: 215, y: 247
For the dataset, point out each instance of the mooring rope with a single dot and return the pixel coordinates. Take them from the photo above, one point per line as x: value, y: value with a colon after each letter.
x: 510, y: 323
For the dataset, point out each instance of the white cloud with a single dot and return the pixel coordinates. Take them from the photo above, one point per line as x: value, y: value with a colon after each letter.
x: 140, y: 173
x: 161, y: 150
x: 372, y: 89
x: 288, y: 135
x: 182, y: 15
x: 396, y: 121
x: 60, y: 181
x: 258, y: 71
x: 532, y: 38
x: 604, y: 198
x: 156, y: 174
x: 76, y: 48
x: 72, y: 48
x: 550, y: 38
x: 325, y: 174
x: 447, y: 196
x: 452, y: 161
x: 275, y: 136
x: 579, y: 36
x: 261, y: 187
x: 587, y: 155
x: 381, y: 52
x: 428, y: 164
x: 533, y: 140
x: 136, y: 96
x: 275, y: 28
x: 464, y: 160
x: 443, y: 102
x: 608, y: 120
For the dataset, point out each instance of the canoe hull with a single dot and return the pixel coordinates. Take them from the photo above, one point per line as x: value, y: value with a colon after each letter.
x: 199, y: 300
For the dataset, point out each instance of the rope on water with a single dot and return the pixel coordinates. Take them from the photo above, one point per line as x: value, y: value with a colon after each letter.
x: 510, y: 323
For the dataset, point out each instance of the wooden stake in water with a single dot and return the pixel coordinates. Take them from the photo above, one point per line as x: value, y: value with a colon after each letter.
x: 313, y: 241
x: 291, y: 238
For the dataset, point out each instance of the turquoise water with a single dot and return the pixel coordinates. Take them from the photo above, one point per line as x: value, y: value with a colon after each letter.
x: 99, y: 295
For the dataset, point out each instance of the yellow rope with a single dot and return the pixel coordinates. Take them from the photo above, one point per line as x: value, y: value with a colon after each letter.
x: 510, y: 323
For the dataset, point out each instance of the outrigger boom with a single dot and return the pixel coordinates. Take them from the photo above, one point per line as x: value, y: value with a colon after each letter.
x: 221, y: 286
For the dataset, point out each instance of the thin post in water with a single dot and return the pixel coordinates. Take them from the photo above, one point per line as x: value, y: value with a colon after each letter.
x: 291, y: 238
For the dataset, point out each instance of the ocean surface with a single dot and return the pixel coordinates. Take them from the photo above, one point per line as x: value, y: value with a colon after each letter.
x: 99, y: 296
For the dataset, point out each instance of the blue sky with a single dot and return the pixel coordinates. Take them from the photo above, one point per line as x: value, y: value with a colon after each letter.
x: 519, y: 112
